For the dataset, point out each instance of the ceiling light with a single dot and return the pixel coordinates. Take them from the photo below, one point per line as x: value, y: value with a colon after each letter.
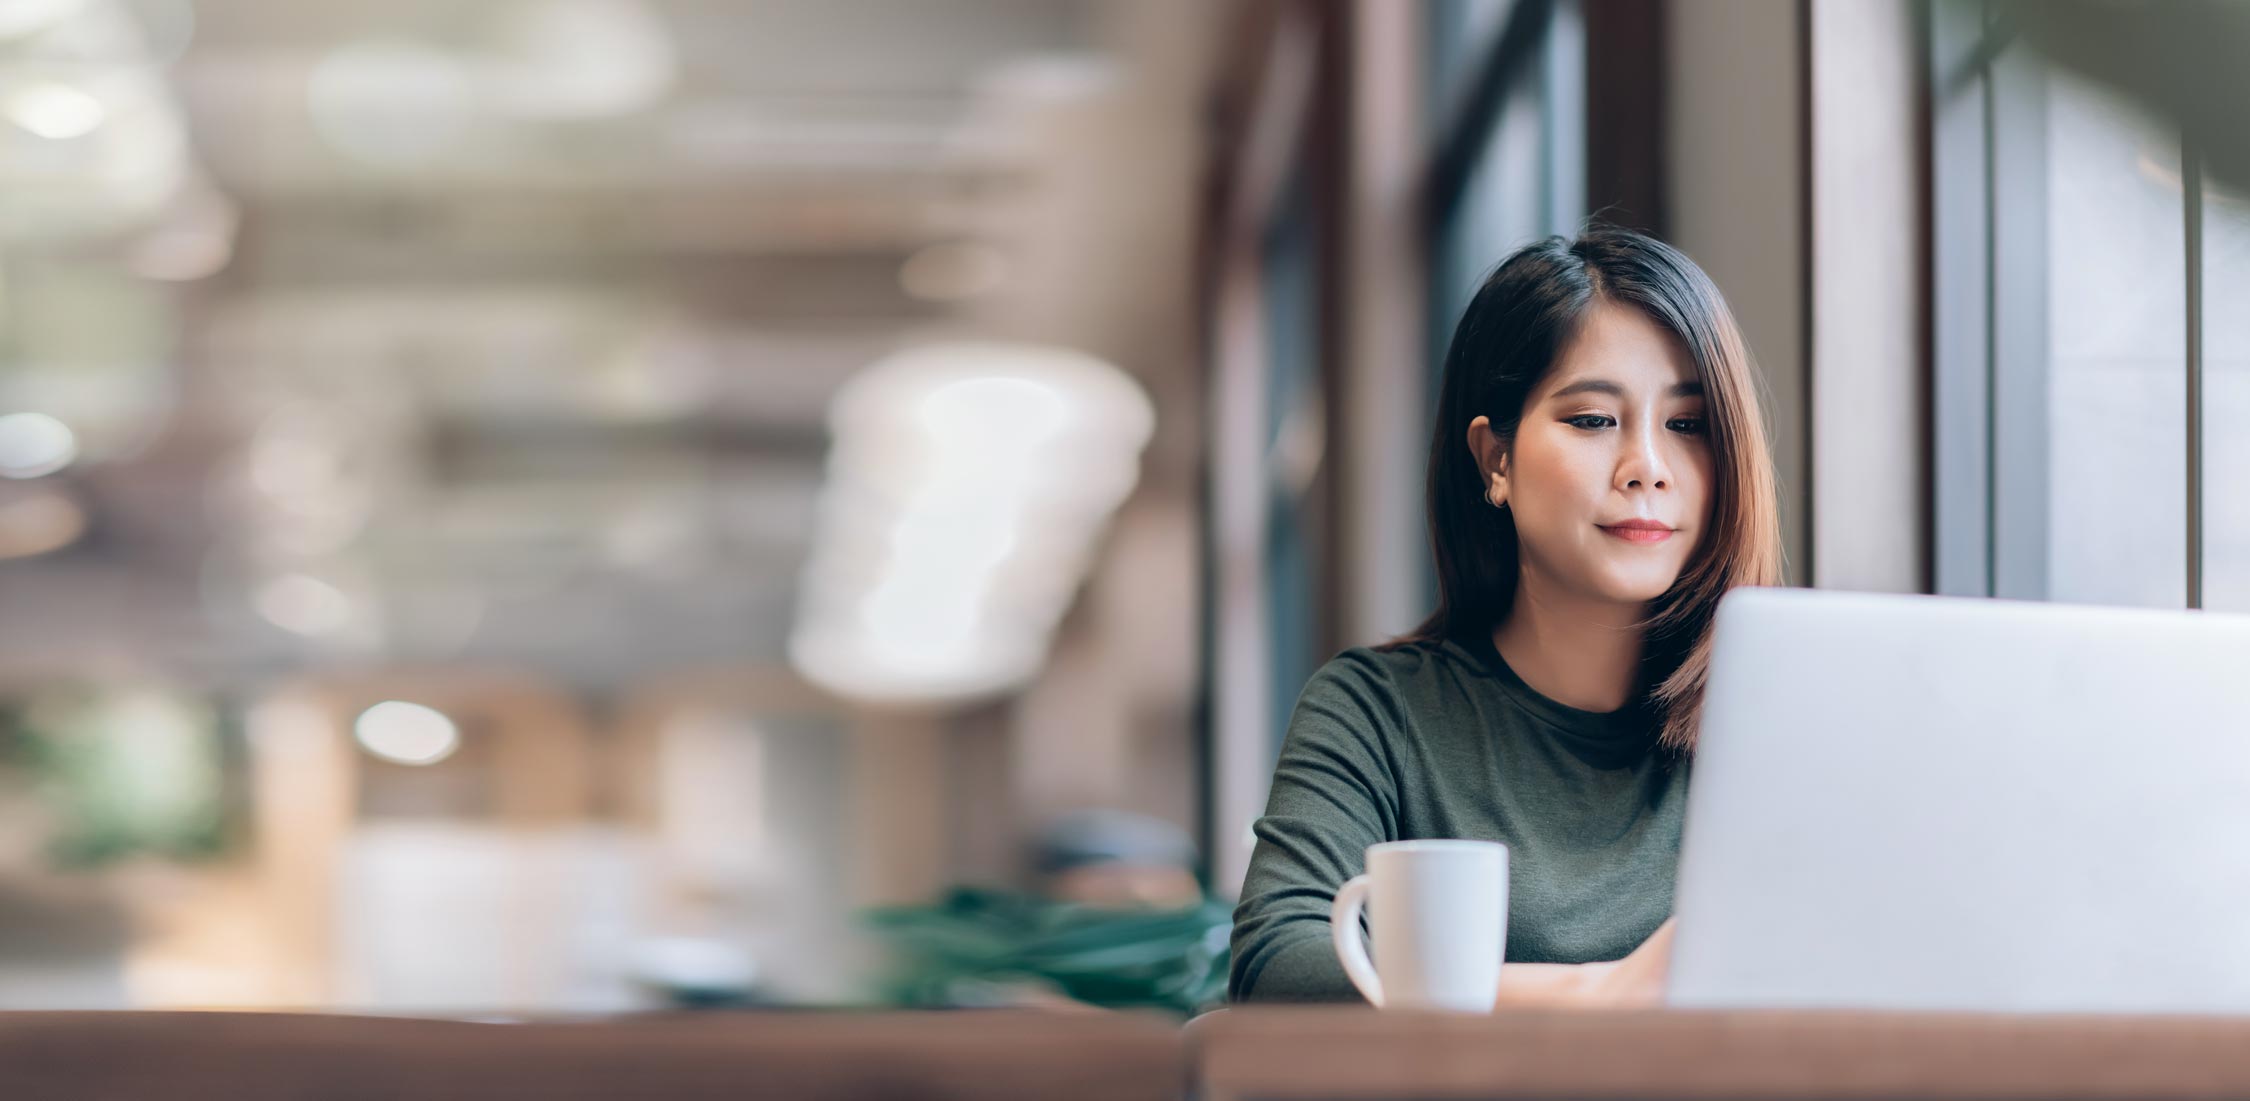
x: 966, y: 486
x: 55, y: 111
x: 35, y: 444
x: 406, y: 733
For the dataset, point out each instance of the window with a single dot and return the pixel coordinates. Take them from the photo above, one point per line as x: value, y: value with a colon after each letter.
x: 1456, y: 35
x: 1508, y: 106
x: 2083, y: 393
x: 1268, y: 615
x: 2116, y: 373
x: 1290, y: 254
x: 1507, y: 100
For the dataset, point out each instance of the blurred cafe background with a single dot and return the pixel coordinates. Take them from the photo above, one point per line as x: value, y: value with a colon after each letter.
x: 574, y: 506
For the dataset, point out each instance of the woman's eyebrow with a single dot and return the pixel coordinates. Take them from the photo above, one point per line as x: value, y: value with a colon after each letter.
x: 1689, y: 389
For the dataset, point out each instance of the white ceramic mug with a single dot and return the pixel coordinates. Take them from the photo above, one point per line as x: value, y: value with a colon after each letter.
x: 1439, y: 915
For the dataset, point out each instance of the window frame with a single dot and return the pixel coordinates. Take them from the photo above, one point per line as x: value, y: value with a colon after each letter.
x: 1267, y: 478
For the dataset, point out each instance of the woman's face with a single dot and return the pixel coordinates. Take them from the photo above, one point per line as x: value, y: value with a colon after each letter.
x: 1609, y: 475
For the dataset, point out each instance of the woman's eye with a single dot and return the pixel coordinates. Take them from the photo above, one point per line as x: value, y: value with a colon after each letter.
x: 1692, y: 426
x: 1589, y: 421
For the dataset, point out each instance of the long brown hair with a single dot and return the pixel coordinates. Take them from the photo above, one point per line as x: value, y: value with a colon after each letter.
x: 1514, y: 331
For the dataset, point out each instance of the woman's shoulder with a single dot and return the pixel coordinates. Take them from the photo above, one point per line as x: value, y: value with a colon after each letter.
x: 1369, y: 702
x: 1393, y: 672
x: 1409, y: 656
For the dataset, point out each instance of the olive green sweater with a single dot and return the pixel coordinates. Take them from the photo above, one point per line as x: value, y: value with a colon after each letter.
x: 1442, y: 739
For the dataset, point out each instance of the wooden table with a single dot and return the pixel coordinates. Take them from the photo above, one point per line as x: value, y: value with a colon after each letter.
x: 750, y: 1056
x: 1292, y: 1054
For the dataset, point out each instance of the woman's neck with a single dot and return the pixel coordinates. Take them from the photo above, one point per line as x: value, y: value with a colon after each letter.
x: 1580, y: 653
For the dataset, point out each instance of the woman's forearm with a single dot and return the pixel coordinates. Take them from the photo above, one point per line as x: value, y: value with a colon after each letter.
x: 1635, y: 981
x: 1550, y: 984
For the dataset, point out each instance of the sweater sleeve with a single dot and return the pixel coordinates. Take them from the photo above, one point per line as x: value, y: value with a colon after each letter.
x: 1333, y: 795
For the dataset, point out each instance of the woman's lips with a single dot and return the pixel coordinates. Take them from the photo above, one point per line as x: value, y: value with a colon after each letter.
x: 1638, y: 532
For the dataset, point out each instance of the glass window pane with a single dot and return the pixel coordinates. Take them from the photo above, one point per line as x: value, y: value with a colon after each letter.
x: 1501, y: 207
x: 2226, y: 395
x: 1459, y: 31
x: 2116, y: 322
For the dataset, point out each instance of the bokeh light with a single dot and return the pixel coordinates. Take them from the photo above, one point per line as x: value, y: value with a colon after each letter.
x: 55, y: 111
x: 406, y: 733
x: 581, y: 58
x: 967, y: 486
x: 391, y: 102
x: 40, y: 522
x: 304, y: 605
x: 34, y: 444
x: 19, y: 18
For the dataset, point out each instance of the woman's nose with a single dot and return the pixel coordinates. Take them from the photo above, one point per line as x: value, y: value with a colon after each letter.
x: 1642, y: 466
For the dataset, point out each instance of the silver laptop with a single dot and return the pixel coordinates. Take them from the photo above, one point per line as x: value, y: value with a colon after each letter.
x: 1905, y: 802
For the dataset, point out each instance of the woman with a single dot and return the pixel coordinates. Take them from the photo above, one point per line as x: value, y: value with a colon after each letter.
x: 1598, y: 478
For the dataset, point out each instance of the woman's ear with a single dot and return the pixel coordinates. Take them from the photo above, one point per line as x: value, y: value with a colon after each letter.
x: 1492, y: 461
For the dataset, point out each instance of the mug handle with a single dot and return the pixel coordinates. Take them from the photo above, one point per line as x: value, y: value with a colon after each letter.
x: 1351, y: 946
